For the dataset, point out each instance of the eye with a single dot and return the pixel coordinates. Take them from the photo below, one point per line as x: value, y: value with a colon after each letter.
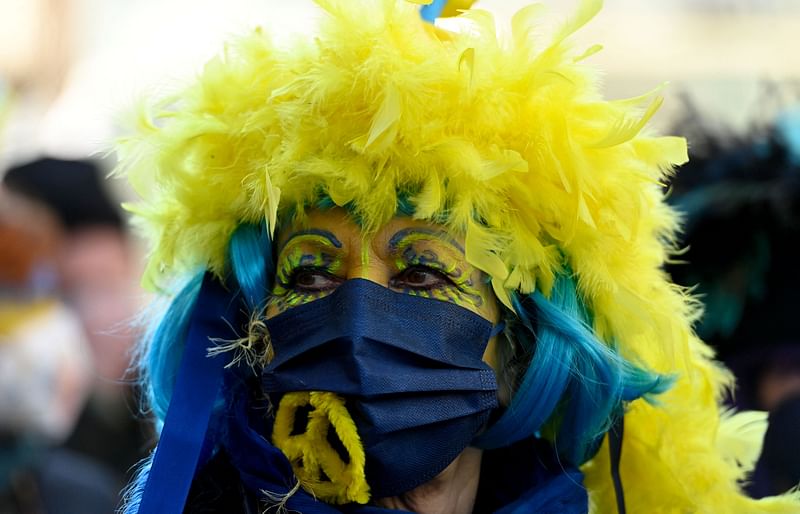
x: 420, y: 277
x: 309, y: 279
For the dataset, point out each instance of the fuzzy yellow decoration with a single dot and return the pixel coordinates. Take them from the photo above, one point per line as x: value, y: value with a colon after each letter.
x: 507, y: 142
x: 310, y: 453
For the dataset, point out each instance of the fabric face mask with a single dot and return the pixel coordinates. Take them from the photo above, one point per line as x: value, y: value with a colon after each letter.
x: 406, y: 371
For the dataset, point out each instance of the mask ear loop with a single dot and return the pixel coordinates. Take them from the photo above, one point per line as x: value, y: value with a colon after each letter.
x: 196, y: 388
x: 497, y: 329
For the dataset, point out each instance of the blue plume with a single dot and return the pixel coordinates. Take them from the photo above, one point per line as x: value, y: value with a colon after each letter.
x: 132, y: 494
x: 250, y: 252
x: 164, y: 347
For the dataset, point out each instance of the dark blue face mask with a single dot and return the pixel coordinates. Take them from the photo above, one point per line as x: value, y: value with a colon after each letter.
x: 410, y: 369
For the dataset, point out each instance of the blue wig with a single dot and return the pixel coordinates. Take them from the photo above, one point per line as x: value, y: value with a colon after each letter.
x: 574, y: 385
x: 252, y: 267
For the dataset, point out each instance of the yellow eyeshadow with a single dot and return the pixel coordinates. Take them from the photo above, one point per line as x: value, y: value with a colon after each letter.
x: 435, y: 249
x: 309, y: 249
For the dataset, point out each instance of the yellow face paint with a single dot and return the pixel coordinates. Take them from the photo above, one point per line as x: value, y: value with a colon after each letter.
x: 308, y: 267
x: 405, y: 255
x: 365, y: 245
x: 434, y: 266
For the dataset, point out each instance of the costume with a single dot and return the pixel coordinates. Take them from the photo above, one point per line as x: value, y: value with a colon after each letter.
x: 556, y: 192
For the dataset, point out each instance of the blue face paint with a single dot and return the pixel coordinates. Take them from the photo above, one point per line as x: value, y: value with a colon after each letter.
x: 410, y: 369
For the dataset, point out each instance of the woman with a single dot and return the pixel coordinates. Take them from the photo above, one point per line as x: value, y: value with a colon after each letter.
x: 427, y: 277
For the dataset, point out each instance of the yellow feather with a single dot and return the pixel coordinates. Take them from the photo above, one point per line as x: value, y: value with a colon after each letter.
x: 467, y: 60
x: 626, y: 129
x: 587, y: 10
x: 429, y: 199
x: 456, y: 7
x: 273, y: 199
x: 384, y: 126
x: 740, y: 436
x: 507, y: 160
x: 588, y: 53
x: 524, y: 22
x: 478, y: 245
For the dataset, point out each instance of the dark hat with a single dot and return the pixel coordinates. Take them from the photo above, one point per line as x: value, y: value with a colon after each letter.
x: 73, y: 189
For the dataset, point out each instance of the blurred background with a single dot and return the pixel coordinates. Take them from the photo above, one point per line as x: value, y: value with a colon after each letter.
x: 70, y: 427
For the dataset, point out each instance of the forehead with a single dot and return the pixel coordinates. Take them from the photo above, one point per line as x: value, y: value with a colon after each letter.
x: 341, y: 224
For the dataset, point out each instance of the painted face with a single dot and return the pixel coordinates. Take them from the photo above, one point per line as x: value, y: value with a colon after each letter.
x: 408, y: 256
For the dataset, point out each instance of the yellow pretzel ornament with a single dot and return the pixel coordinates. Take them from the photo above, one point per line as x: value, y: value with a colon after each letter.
x: 319, y: 467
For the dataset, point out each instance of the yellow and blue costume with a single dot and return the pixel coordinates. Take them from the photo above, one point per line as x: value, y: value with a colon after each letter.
x: 505, y: 141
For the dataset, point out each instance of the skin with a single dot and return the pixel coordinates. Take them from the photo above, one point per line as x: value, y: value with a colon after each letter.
x: 406, y: 255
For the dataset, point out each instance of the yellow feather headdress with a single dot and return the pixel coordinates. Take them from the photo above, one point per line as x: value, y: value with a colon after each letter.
x: 507, y: 142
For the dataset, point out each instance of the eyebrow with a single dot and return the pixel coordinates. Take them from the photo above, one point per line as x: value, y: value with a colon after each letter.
x: 422, y: 233
x: 327, y: 237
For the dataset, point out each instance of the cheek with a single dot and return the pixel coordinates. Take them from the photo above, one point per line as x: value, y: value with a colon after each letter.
x: 489, y: 308
x: 496, y: 362
x: 278, y: 304
x: 491, y: 312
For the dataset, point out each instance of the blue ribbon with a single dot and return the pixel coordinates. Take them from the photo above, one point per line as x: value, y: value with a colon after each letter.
x: 196, y: 388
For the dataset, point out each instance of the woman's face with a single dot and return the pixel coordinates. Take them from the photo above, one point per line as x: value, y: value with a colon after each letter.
x: 409, y: 256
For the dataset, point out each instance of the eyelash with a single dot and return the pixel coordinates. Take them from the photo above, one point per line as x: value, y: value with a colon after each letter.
x: 394, y: 282
x: 448, y: 281
x: 291, y: 283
